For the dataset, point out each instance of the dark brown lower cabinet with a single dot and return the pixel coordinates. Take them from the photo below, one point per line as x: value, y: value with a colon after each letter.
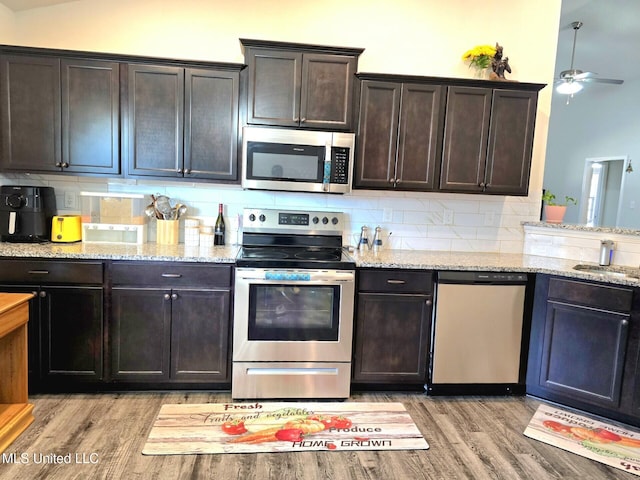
x: 173, y: 329
x: 392, y: 329
x: 583, y: 348
x: 65, y: 321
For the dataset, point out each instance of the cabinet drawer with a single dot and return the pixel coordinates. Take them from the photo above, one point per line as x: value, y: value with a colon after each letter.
x: 396, y: 281
x: 608, y: 297
x: 170, y: 274
x: 46, y: 272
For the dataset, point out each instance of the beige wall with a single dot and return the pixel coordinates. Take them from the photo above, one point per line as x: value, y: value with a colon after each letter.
x: 6, y: 25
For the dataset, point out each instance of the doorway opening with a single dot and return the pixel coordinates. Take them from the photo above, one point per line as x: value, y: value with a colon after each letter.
x: 602, y: 191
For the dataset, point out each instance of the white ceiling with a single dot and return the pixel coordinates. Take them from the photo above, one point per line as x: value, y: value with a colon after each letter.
x: 18, y: 5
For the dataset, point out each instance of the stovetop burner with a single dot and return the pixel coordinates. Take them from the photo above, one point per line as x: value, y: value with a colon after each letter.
x: 292, y: 239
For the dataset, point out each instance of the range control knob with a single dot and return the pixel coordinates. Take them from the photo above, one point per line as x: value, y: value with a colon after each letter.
x: 262, y: 218
x: 315, y: 219
x: 252, y: 217
x: 325, y: 220
x: 334, y: 220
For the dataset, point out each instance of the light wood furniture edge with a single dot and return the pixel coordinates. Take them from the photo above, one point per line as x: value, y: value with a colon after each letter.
x: 15, y: 411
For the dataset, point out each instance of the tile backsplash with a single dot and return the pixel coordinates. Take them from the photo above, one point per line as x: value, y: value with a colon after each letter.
x: 409, y: 220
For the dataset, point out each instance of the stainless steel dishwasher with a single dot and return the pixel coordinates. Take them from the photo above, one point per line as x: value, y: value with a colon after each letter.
x: 477, y: 337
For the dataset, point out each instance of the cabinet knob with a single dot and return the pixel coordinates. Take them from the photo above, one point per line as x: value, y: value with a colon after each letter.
x: 392, y: 180
x: 178, y: 170
x: 65, y: 165
x: 428, y: 303
x: 482, y: 184
x: 167, y: 296
x: 42, y: 294
x: 398, y: 181
x: 59, y: 164
x: 302, y: 120
x: 174, y: 296
x: 187, y: 171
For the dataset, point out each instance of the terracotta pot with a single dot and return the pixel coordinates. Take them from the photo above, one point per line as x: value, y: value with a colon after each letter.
x: 554, y: 213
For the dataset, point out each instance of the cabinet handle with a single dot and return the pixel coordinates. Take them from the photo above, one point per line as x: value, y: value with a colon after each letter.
x: 396, y: 282
x: 42, y: 294
x: 38, y: 272
x: 167, y: 296
x: 174, y: 296
x: 171, y: 275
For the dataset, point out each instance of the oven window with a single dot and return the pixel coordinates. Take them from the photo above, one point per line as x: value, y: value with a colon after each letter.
x: 294, y: 312
x: 267, y: 161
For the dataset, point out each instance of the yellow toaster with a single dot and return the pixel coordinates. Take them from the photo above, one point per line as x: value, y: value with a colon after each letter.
x: 66, y: 228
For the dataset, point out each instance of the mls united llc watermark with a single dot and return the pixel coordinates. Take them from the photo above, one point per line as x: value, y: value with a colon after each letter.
x: 52, y: 458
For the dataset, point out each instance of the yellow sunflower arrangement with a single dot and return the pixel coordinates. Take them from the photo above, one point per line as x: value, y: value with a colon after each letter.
x: 480, y: 56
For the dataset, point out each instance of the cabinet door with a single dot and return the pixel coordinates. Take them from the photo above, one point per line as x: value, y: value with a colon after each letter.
x: 30, y: 113
x: 392, y: 338
x: 513, y: 115
x: 200, y: 335
x: 274, y: 87
x: 377, y: 134
x: 464, y: 153
x: 580, y: 363
x: 155, y: 120
x: 90, y: 116
x: 327, y: 91
x: 211, y: 124
x: 421, y: 117
x: 140, y: 329
x: 71, y: 333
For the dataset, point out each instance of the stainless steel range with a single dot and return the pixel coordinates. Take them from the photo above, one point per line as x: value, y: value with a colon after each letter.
x: 294, y: 295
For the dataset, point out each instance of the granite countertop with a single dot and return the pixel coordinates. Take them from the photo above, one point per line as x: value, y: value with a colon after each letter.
x: 410, y: 259
x: 112, y: 251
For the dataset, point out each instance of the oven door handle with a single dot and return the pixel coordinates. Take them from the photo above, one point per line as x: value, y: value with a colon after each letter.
x: 297, y: 277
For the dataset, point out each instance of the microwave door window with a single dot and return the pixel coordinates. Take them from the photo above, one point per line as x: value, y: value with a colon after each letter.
x: 286, y: 162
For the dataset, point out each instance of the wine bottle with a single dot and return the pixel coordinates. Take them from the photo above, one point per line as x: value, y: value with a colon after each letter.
x: 218, y: 232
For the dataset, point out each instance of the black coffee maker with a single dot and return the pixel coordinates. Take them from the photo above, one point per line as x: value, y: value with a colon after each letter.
x: 26, y: 213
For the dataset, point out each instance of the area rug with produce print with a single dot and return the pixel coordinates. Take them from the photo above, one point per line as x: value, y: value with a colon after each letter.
x: 282, y: 427
x: 612, y: 444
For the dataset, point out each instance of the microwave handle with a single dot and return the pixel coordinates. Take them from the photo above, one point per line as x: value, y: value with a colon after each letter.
x: 326, y: 177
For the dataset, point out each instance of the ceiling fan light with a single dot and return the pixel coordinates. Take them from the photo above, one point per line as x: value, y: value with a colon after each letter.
x: 568, y: 88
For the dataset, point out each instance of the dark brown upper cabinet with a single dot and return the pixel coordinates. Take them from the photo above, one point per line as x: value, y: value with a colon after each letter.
x: 182, y: 122
x: 444, y: 134
x: 296, y: 85
x: 488, y: 140
x: 399, y: 135
x: 59, y: 114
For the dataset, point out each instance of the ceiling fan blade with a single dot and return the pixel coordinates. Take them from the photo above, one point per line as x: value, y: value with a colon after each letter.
x: 613, y: 81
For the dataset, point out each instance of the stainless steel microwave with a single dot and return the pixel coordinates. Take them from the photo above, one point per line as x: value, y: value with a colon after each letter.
x: 297, y: 160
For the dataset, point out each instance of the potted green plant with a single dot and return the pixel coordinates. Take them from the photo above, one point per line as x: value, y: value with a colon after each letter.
x: 554, y: 210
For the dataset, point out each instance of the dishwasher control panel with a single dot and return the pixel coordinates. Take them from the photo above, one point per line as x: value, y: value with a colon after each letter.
x: 463, y: 277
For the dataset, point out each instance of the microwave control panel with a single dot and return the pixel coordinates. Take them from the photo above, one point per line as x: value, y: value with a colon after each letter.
x: 339, y: 165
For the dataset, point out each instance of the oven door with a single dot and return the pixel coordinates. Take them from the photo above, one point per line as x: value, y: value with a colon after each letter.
x: 293, y: 315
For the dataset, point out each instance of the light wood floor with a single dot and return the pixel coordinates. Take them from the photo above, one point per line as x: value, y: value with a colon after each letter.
x: 472, y: 437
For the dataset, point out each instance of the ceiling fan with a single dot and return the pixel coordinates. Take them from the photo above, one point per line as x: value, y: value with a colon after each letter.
x: 571, y: 80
